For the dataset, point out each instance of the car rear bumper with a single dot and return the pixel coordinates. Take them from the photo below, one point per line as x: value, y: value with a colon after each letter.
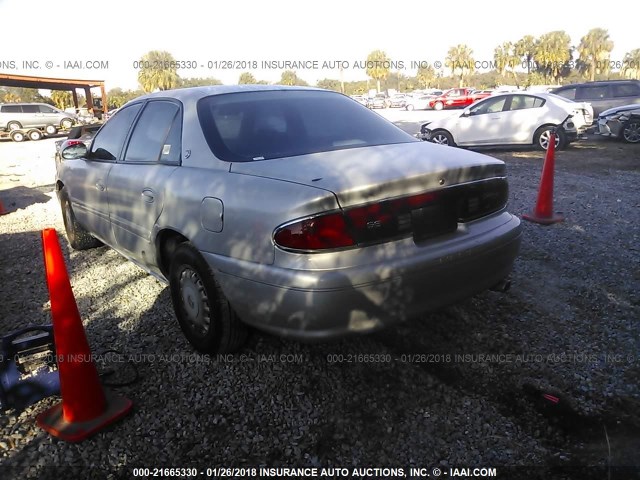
x: 321, y: 304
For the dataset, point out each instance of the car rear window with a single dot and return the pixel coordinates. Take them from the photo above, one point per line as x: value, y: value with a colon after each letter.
x: 251, y: 126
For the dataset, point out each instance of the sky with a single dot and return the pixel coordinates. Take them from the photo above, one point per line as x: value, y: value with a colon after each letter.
x: 224, y: 39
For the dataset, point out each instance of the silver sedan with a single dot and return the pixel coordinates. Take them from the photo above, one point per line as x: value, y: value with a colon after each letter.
x: 292, y: 210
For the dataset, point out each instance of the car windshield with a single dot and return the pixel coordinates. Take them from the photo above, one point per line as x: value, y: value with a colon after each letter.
x: 250, y: 126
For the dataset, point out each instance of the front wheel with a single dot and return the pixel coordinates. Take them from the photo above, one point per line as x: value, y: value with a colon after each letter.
x: 543, y: 135
x: 51, y: 129
x: 66, y: 123
x: 204, y: 314
x: 631, y: 131
x: 409, y: 107
x: 78, y: 237
x: 442, y: 137
x: 438, y: 106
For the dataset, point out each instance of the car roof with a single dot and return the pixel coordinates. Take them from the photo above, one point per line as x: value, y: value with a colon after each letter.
x: 597, y: 82
x: 194, y: 93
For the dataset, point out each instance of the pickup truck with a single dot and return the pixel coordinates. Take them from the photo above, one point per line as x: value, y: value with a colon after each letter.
x: 457, y: 98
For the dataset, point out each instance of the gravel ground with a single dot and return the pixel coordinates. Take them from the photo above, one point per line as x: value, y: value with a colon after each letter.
x: 471, y: 395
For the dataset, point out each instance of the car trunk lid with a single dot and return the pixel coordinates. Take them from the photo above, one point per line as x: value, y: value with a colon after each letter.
x: 362, y: 175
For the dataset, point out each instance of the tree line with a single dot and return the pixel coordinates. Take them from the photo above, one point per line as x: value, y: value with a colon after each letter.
x: 548, y: 59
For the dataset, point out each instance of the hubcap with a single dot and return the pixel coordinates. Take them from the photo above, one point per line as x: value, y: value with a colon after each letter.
x: 440, y: 140
x: 631, y: 132
x: 13, y: 126
x: 195, y: 301
x: 544, y: 139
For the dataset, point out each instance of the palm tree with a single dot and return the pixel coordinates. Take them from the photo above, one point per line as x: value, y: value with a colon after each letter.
x: 158, y: 71
x: 631, y: 67
x: 62, y: 99
x: 10, y: 98
x: 426, y: 75
x: 502, y: 57
x: 460, y: 59
x: 525, y: 49
x: 552, y: 53
x: 378, y: 66
x: 594, y: 50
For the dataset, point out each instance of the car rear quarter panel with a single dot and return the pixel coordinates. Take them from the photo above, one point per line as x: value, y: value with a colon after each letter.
x: 252, y: 207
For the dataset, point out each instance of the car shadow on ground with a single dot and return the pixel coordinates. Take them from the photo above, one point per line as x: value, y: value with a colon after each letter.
x: 16, y: 198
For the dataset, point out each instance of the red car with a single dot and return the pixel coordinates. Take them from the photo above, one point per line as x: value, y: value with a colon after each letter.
x: 457, y: 98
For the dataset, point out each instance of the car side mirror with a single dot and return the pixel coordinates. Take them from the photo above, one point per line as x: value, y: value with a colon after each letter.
x: 466, y: 113
x: 71, y: 152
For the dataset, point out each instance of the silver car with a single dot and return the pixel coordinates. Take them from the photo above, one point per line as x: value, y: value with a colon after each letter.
x: 621, y: 122
x: 14, y: 116
x: 293, y: 210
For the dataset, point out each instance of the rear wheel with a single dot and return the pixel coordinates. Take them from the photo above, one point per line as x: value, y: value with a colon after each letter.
x: 438, y: 106
x: 410, y: 107
x: 543, y: 134
x: 14, y: 126
x: 17, y: 136
x: 442, y: 137
x: 631, y: 131
x: 78, y: 237
x: 204, y: 314
x: 34, y: 135
x: 51, y: 129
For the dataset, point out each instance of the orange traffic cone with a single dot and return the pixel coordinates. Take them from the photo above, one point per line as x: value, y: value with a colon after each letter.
x: 543, y: 212
x: 85, y: 406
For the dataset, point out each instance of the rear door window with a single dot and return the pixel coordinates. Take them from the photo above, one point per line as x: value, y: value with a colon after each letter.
x: 31, y: 108
x: 156, y: 135
x: 593, y: 92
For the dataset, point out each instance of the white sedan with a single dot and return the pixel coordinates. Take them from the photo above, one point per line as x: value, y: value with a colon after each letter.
x: 516, y: 118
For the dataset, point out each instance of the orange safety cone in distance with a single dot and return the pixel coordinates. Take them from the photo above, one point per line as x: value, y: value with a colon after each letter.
x: 85, y: 407
x: 543, y: 212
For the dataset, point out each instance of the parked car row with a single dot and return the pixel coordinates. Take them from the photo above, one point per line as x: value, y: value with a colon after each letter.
x: 512, y: 119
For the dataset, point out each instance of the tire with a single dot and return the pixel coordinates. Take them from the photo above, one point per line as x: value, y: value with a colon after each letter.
x: 442, y: 137
x: 409, y: 107
x: 66, y: 123
x: 14, y: 126
x: 51, y: 129
x: 203, y: 312
x: 541, y: 138
x: 34, y: 135
x: 438, y: 106
x: 17, y: 136
x: 631, y: 131
x: 78, y: 237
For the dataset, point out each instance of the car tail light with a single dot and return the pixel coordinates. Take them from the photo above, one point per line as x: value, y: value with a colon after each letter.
x: 424, y: 215
x: 321, y: 232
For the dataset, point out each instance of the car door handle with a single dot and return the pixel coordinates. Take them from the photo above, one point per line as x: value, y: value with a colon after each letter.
x: 100, y: 186
x: 494, y: 118
x: 148, y: 195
